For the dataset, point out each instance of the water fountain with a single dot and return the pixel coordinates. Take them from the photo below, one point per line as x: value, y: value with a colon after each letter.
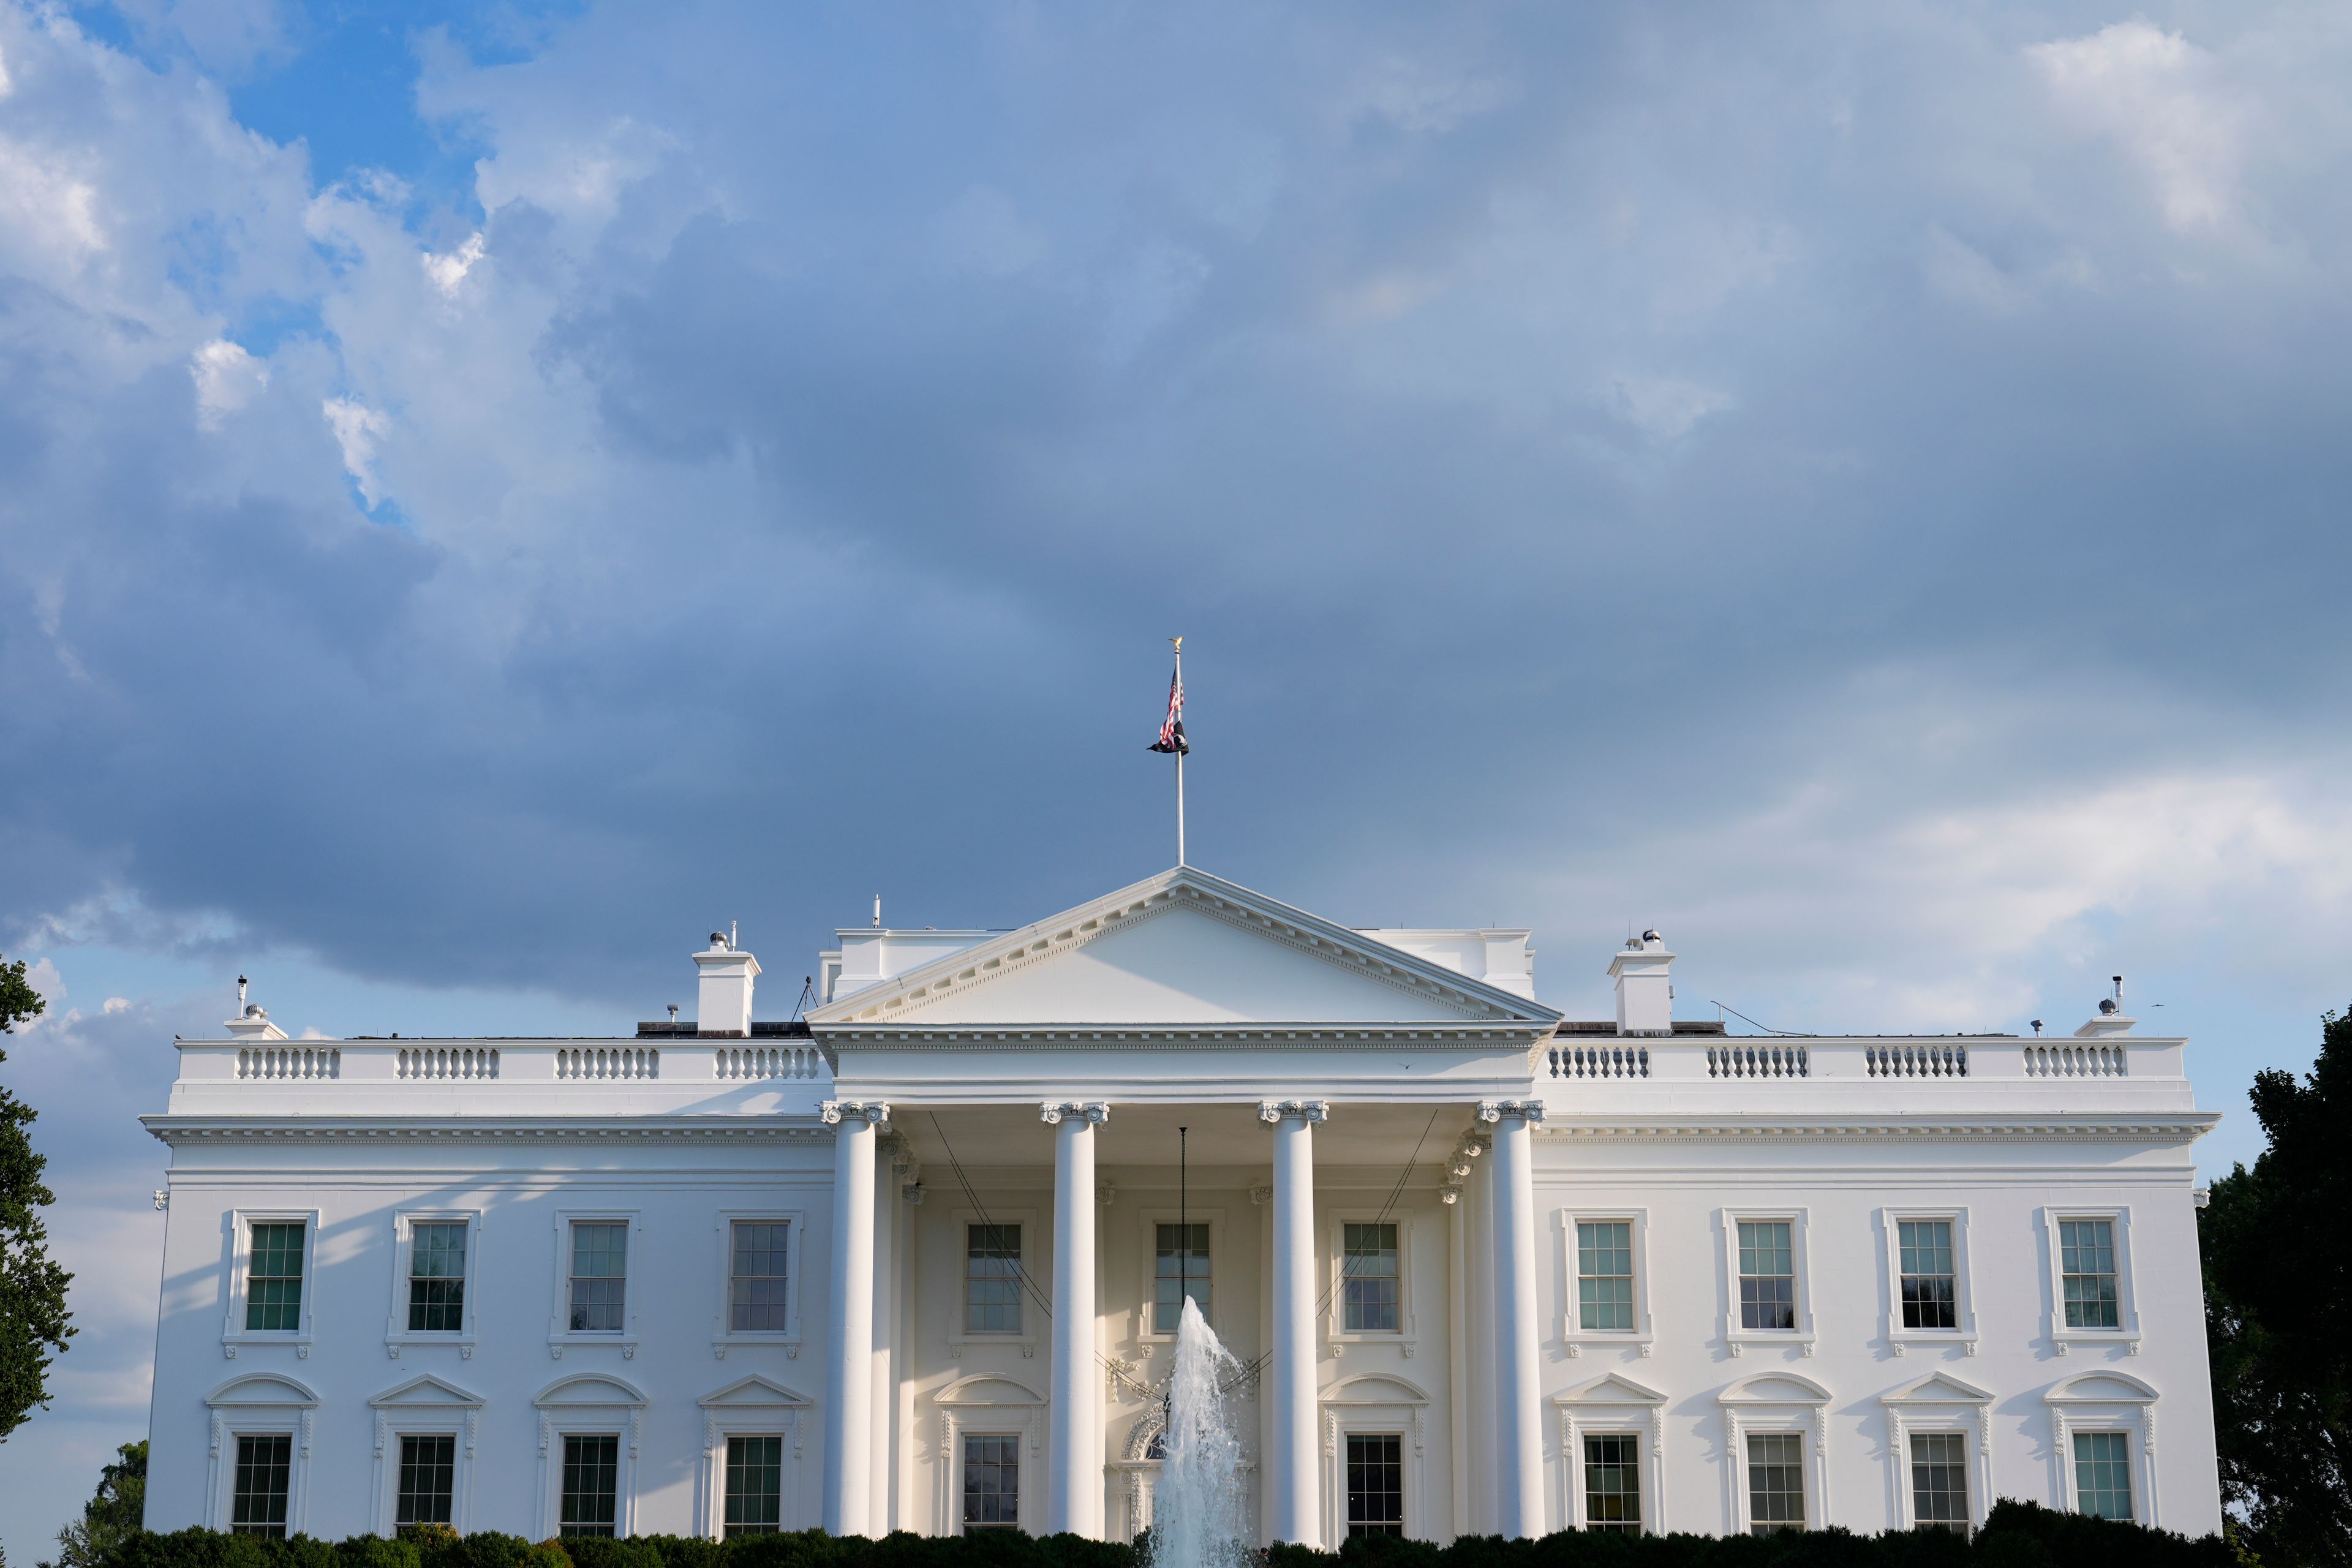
x: 1196, y: 1510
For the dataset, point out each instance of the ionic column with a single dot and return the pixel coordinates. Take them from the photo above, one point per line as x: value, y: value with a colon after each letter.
x: 1073, y: 1425
x: 849, y: 1393
x: 1517, y: 1372
x: 1291, y: 1494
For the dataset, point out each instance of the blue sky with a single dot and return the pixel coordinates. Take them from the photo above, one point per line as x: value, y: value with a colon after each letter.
x: 488, y: 493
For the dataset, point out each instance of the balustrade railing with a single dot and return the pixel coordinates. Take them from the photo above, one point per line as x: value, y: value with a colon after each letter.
x: 608, y: 1062
x: 766, y: 1061
x: 289, y: 1062
x: 2075, y: 1061
x: 1758, y: 1061
x: 461, y: 1063
x: 1600, y: 1061
x: 1915, y: 1061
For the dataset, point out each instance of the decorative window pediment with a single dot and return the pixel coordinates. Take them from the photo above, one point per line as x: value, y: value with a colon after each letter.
x: 1613, y: 1389
x: 2101, y: 1388
x: 987, y: 1389
x: 752, y: 1392
x: 1374, y: 1388
x: 1775, y: 1388
x: 264, y: 1388
x: 1939, y: 1388
x: 426, y: 1390
x: 588, y: 1388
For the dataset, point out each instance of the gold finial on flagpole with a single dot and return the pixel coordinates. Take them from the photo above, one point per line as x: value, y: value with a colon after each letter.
x: 1179, y: 642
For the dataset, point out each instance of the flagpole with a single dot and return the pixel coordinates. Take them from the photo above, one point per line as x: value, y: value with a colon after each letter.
x: 1180, y: 762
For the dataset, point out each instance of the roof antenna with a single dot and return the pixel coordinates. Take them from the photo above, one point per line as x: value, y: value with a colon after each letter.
x: 241, y: 984
x: 2037, y: 1027
x: 2119, y: 990
x: 878, y: 911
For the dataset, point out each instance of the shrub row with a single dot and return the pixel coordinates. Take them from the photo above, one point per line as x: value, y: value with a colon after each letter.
x: 2018, y: 1535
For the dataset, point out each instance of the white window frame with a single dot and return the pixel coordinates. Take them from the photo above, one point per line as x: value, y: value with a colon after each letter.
x: 754, y: 1406
x: 1407, y: 1332
x: 1899, y: 1339
x: 2126, y: 1330
x: 1036, y: 1265
x: 1642, y: 1334
x: 563, y: 1414
x: 560, y: 1336
x: 260, y: 1405
x: 425, y: 1407
x: 723, y: 1333
x: 1746, y: 1412
x: 235, y: 1335
x: 990, y: 1405
x: 2074, y: 1409
x: 1375, y: 1405
x: 1737, y: 1339
x: 1940, y: 1402
x: 1614, y: 1406
x: 1219, y: 1269
x: 397, y: 1335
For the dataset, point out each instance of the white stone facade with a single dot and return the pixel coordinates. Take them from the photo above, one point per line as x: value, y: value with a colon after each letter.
x: 1325, y: 1078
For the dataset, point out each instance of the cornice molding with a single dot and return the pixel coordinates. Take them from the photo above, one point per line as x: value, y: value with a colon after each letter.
x: 1256, y: 1036
x: 1349, y: 950
x: 176, y: 1129
x: 2181, y: 1128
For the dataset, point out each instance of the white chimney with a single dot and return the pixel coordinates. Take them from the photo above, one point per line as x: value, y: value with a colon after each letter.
x: 2109, y: 1019
x: 253, y: 1023
x: 724, y: 1003
x: 1645, y: 995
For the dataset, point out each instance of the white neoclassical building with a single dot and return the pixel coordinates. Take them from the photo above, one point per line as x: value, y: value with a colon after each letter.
x: 914, y: 1261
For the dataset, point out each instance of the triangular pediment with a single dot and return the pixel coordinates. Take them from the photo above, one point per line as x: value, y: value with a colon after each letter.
x: 753, y: 1390
x: 1938, y: 1388
x: 1181, y: 948
x: 1614, y: 1389
x: 426, y: 1389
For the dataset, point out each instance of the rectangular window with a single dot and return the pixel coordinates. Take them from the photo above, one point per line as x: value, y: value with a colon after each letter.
x: 1375, y: 1485
x: 2087, y: 1249
x: 2103, y: 1474
x: 991, y: 1483
x: 756, y: 1280
x: 1939, y: 1480
x: 1367, y: 1270
x: 1604, y: 1275
x: 600, y: 1260
x: 436, y: 1276
x: 263, y: 1467
x: 1183, y: 1270
x: 592, y: 1486
x: 1612, y: 1483
x: 428, y: 1476
x: 1931, y: 1298
x: 1768, y: 1275
x: 991, y: 1279
x: 1775, y: 1482
x: 755, y: 1486
x: 273, y: 1277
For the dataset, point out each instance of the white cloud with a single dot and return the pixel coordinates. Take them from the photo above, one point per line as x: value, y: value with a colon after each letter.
x: 50, y: 208
x: 226, y: 379
x: 1664, y: 408
x: 2158, y: 97
x: 448, y: 268
x: 357, y: 430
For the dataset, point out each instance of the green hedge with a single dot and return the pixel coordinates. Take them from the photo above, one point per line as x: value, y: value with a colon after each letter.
x: 2018, y: 1535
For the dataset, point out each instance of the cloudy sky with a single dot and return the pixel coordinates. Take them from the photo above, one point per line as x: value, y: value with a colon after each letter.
x: 487, y: 494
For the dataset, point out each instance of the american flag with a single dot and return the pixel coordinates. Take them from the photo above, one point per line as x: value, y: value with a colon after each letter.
x: 1172, y: 729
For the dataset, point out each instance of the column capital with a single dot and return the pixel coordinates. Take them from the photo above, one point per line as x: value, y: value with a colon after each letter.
x: 836, y: 1111
x: 1096, y: 1111
x: 1274, y: 1112
x: 1529, y: 1111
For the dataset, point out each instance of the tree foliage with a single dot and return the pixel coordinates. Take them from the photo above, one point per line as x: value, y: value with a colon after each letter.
x: 111, y: 1518
x: 34, y: 1324
x: 2277, y: 1285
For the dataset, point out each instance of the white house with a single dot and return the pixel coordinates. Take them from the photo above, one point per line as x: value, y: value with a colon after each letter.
x: 913, y: 1262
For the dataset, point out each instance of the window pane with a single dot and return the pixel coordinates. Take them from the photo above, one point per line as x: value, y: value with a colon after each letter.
x: 1612, y: 1483
x: 429, y: 1470
x: 1367, y: 1267
x: 273, y: 1277
x: 1604, y: 1275
x: 600, y: 1257
x: 1375, y: 1485
x: 1775, y: 1482
x: 436, y: 1276
x: 592, y: 1472
x: 2103, y: 1486
x: 1930, y: 1283
x: 991, y: 1483
x: 1939, y: 1479
x: 2087, y: 1254
x: 755, y: 1486
x: 1182, y: 1269
x: 1768, y: 1275
x: 258, y: 1506
x: 756, y: 1276
x: 991, y: 1279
